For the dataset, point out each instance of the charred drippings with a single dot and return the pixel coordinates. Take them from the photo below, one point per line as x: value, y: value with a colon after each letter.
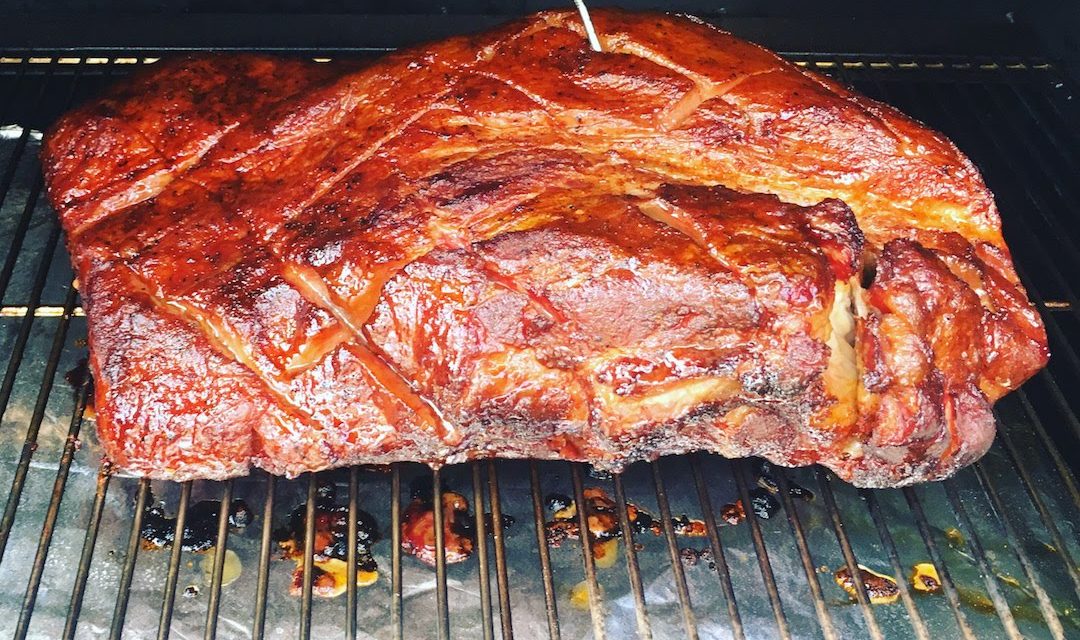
x: 767, y: 482
x: 331, y: 544
x: 459, y: 523
x: 603, y: 521
x: 418, y: 528
x: 78, y: 376
x: 880, y: 588
x: 200, y: 524
x: 762, y: 502
x: 692, y: 557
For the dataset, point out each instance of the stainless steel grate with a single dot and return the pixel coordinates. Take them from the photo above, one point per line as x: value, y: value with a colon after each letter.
x: 1003, y: 534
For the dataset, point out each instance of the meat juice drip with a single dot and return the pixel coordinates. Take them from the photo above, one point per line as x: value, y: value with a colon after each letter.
x: 331, y: 545
x: 78, y: 375
x: 200, y: 524
x: 603, y: 521
x: 459, y: 532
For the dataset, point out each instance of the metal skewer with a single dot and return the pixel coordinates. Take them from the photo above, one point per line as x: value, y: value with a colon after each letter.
x: 594, y: 41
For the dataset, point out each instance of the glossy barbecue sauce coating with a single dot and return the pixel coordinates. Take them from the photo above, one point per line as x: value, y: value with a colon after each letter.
x: 510, y: 245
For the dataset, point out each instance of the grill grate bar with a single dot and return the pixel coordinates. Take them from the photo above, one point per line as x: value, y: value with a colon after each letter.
x: 17, y: 353
x: 123, y: 595
x: 947, y: 584
x: 395, y: 551
x: 596, y: 607
x: 19, y: 233
x: 309, y: 558
x: 917, y: 622
x: 545, y: 552
x: 689, y: 621
x: 350, y: 553
x: 482, y: 552
x: 23, y: 337
x: 644, y: 628
x: 266, y: 539
x: 87, y: 555
x: 717, y: 548
x: 220, y: 547
x: 820, y: 608
x: 739, y: 472
x: 1001, y: 606
x: 1047, y: 518
x: 443, y: 616
x: 168, y: 600
x: 1059, y: 464
x: 1045, y: 606
x: 849, y: 553
x: 53, y: 512
x: 503, y: 580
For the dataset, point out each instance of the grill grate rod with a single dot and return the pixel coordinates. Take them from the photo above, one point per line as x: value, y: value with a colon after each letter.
x: 823, y: 615
x: 49, y: 526
x: 395, y: 551
x: 220, y: 547
x: 23, y: 336
x: 596, y: 606
x: 123, y: 595
x: 917, y: 622
x: 309, y: 558
x: 947, y: 584
x: 1047, y: 608
x: 503, y: 580
x: 350, y: 553
x: 863, y: 599
x: 19, y: 233
x: 87, y: 555
x: 169, y: 598
x: 689, y: 621
x: 482, y: 552
x: 1062, y: 468
x: 266, y: 539
x: 18, y: 350
x: 442, y: 620
x: 644, y: 628
x: 42, y: 403
x: 1001, y: 606
x: 717, y: 548
x: 1040, y: 506
x: 545, y: 552
x: 762, y: 554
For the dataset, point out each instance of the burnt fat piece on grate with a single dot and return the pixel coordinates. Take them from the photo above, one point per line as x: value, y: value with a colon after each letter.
x: 510, y: 245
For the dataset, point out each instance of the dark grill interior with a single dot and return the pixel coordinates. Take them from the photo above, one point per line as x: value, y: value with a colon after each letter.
x: 1003, y: 534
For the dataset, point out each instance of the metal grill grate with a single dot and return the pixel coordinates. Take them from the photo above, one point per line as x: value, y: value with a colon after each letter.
x: 1003, y: 534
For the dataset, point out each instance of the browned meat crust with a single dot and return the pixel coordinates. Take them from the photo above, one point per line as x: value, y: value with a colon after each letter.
x: 510, y: 245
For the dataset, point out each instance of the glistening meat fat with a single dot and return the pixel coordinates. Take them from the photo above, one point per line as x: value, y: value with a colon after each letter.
x: 511, y: 245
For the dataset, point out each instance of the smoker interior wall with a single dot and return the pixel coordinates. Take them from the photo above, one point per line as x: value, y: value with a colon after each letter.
x: 1056, y: 24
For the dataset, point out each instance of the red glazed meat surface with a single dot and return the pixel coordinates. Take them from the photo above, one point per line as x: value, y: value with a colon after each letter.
x: 510, y: 245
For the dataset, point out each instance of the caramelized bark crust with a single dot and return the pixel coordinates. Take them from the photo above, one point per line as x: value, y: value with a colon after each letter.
x: 511, y: 245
